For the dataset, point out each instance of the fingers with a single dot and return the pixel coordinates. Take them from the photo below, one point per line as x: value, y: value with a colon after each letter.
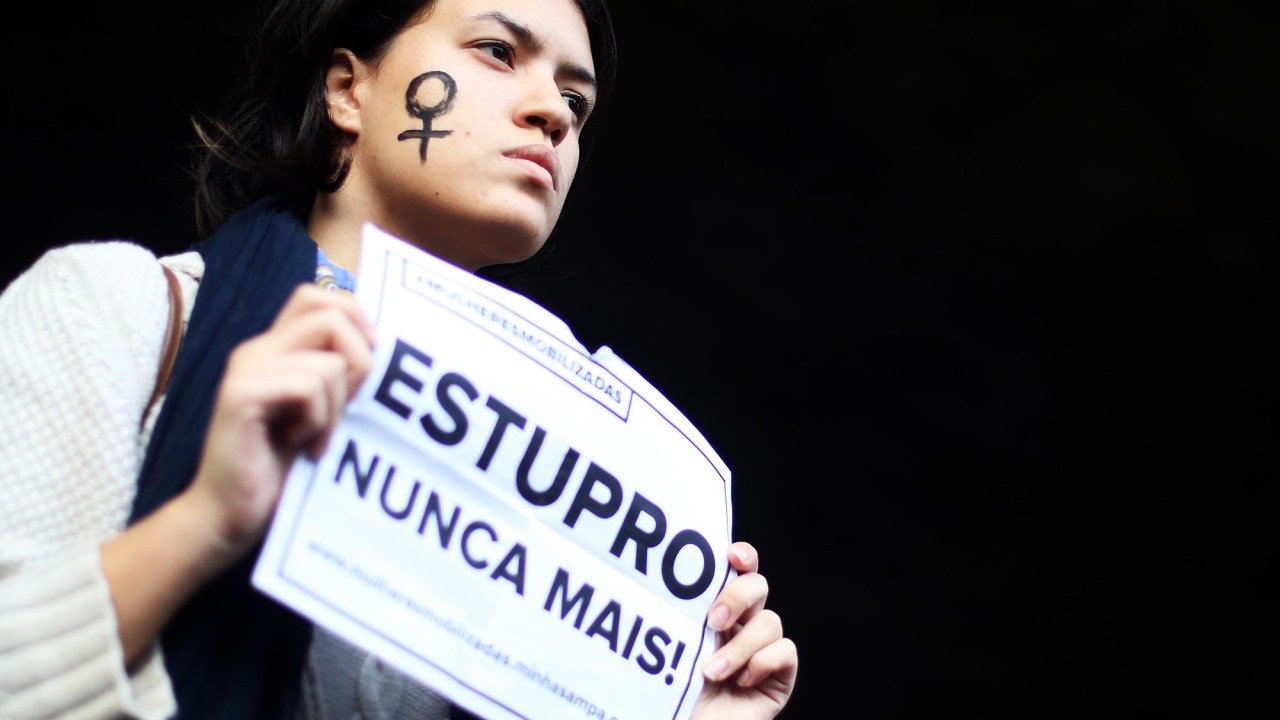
x: 778, y: 659
x: 760, y: 632
x: 324, y: 331
x: 306, y: 299
x: 740, y: 599
x: 756, y: 648
x: 303, y: 395
x: 303, y: 369
x: 283, y: 392
x: 743, y: 557
x: 743, y: 595
x: 331, y: 322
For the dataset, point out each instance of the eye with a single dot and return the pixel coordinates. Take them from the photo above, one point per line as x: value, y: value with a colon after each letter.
x: 578, y: 105
x: 498, y: 50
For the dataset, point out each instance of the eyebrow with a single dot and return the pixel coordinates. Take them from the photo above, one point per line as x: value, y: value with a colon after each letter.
x: 531, y: 40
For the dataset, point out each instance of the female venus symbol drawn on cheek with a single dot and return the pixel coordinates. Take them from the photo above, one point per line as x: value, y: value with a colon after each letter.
x: 427, y: 114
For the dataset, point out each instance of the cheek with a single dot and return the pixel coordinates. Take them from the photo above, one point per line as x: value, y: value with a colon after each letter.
x: 472, y: 97
x: 569, y: 166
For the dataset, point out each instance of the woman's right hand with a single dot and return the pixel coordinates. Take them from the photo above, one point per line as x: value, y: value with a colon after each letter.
x: 282, y: 393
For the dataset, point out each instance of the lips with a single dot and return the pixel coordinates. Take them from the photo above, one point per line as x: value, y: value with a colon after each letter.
x: 543, y: 165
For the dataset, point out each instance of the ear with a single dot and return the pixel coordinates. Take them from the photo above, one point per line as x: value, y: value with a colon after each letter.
x: 341, y: 79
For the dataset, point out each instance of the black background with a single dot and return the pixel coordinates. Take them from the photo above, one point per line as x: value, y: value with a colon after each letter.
x: 976, y: 302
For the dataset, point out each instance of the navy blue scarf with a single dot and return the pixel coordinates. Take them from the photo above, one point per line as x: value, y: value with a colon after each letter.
x: 231, y: 652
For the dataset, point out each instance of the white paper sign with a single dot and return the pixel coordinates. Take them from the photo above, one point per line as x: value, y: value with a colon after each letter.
x: 531, y: 529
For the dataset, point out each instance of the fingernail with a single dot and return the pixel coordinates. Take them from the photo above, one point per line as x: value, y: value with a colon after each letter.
x: 715, y: 669
x: 719, y: 616
x: 739, y: 554
x: 744, y: 678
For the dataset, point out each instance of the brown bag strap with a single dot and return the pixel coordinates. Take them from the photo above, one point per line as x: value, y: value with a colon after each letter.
x: 172, y: 338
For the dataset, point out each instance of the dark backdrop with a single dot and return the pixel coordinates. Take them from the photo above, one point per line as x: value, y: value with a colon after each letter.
x: 976, y: 302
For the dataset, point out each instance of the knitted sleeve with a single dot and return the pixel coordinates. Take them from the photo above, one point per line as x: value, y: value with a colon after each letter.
x: 82, y: 331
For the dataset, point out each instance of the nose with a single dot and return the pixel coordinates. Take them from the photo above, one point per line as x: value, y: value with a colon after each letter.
x: 544, y: 107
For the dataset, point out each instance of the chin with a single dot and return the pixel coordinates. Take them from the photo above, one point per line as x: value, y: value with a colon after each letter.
x: 492, y: 249
x: 512, y: 253
x: 476, y: 240
x: 512, y: 240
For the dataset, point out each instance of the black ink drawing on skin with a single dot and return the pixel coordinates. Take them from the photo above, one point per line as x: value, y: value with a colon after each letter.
x: 426, y: 115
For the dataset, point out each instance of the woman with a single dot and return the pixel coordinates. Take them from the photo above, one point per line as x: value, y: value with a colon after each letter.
x: 457, y: 125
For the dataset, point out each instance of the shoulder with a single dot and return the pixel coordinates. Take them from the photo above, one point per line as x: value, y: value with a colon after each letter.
x: 84, y: 272
x: 111, y: 292
x: 86, y: 266
x: 113, y: 253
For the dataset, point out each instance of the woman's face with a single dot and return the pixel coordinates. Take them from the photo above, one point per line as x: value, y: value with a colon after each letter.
x: 467, y: 128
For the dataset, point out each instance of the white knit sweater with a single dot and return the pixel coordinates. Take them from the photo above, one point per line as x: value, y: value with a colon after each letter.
x: 80, y: 337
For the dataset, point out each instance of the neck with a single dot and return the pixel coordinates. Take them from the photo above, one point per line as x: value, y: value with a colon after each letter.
x: 336, y: 220
x: 336, y: 230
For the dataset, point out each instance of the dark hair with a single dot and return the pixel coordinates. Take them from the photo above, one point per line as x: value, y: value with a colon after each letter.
x: 277, y: 138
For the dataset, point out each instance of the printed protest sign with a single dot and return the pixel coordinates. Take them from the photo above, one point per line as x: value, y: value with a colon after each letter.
x: 530, y: 528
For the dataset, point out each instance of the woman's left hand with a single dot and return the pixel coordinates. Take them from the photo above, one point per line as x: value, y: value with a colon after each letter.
x: 752, y: 675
